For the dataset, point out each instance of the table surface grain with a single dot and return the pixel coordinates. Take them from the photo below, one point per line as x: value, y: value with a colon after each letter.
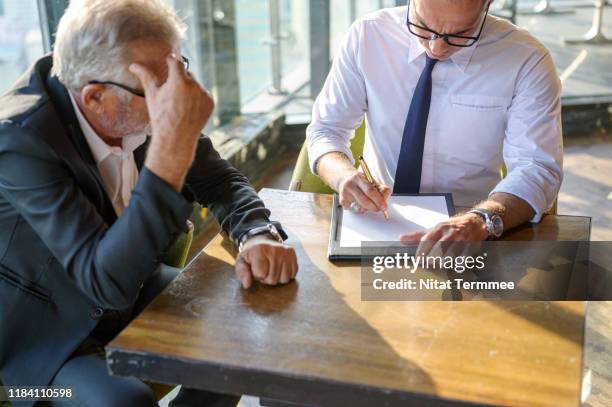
x: 314, y: 341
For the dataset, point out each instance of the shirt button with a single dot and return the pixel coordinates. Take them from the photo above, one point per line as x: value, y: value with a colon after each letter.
x: 97, y: 313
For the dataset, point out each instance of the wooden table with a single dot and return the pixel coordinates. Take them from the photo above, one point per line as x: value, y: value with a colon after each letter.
x: 315, y: 342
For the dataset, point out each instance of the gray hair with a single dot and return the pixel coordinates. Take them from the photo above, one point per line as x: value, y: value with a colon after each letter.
x: 92, y: 37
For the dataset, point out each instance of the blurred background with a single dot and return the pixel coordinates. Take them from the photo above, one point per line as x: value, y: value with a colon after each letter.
x: 260, y: 55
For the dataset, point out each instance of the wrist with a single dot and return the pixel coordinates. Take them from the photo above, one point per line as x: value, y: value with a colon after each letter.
x: 255, y: 240
x: 169, y: 162
x: 179, y: 149
x: 479, y: 224
x: 494, y: 224
x: 262, y: 234
x: 166, y: 169
x: 334, y: 168
x: 344, y: 178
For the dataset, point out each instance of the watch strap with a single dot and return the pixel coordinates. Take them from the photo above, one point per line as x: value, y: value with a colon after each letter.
x: 486, y: 216
x: 268, y: 229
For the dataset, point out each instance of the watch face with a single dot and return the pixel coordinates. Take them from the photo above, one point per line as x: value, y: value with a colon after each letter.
x: 498, y: 225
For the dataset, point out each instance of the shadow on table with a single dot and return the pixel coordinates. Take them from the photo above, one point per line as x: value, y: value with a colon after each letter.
x: 299, y: 342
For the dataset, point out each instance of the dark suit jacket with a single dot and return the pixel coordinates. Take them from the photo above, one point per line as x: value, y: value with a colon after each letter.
x: 64, y: 255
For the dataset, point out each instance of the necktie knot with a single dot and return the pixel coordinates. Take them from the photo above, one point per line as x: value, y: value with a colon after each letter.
x: 429, y: 62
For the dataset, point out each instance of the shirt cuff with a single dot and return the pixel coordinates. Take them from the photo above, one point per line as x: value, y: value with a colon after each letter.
x: 535, y: 199
x: 319, y: 148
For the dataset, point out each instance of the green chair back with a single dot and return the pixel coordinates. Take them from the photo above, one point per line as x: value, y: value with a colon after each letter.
x: 304, y: 180
x: 3, y: 395
x: 178, y: 252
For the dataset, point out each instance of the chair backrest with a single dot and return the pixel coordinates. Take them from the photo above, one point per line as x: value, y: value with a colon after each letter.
x: 176, y: 256
x: 304, y: 180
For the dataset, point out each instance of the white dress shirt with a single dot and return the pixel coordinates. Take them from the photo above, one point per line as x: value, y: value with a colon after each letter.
x: 497, y: 101
x: 116, y: 164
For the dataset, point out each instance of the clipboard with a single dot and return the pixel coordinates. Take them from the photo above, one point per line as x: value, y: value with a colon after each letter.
x: 337, y: 252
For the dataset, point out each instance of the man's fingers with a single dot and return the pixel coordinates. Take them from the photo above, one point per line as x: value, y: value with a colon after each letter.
x: 176, y: 68
x: 270, y: 264
x: 425, y: 247
x: 345, y: 201
x: 145, y: 76
x: 260, y: 268
x: 294, y: 266
x: 243, y: 272
x: 374, y: 194
x: 273, y: 276
x: 429, y: 240
x: 437, y: 249
x: 363, y: 200
x: 385, y: 191
x: 414, y: 237
x: 285, y: 274
x: 450, y: 235
x: 275, y: 265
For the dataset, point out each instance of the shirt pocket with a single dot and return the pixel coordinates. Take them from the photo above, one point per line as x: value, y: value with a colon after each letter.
x: 478, y: 103
x: 474, y: 127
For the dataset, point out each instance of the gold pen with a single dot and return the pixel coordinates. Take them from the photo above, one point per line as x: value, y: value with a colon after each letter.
x: 368, y: 175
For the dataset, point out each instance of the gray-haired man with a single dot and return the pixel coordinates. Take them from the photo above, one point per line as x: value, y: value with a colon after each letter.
x: 88, y: 202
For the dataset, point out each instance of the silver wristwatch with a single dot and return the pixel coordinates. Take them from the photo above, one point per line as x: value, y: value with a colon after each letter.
x: 493, y: 222
x: 268, y: 229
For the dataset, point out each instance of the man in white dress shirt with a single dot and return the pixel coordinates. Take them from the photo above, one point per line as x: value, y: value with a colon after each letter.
x: 101, y: 161
x: 449, y: 95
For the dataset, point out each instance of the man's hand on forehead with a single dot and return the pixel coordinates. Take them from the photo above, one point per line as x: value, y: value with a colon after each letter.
x: 179, y: 109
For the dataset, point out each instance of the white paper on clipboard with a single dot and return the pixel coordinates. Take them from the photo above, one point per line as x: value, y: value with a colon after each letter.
x: 407, y: 214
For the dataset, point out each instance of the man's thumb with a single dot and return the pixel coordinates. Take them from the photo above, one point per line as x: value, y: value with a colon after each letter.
x: 243, y: 272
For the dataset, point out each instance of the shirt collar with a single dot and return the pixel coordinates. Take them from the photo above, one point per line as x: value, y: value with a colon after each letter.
x: 460, y: 58
x: 99, y: 149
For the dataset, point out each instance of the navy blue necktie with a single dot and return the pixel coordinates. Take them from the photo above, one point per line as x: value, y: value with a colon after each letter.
x: 410, y: 161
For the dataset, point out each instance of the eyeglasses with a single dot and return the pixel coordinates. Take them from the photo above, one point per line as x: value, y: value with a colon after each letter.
x: 130, y: 89
x: 455, y: 40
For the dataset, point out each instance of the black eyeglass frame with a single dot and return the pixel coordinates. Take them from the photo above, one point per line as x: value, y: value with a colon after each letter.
x: 130, y: 89
x: 435, y: 35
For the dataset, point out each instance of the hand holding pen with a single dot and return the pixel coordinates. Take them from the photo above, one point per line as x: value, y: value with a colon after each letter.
x: 368, y: 175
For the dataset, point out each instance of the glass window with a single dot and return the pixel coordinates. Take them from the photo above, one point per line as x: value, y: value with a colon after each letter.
x: 344, y: 12
x: 189, y: 14
x: 252, y: 35
x: 20, y: 39
x: 341, y: 14
x: 295, y: 47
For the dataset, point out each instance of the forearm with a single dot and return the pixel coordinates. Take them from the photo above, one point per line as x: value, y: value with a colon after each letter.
x: 227, y: 193
x: 333, y: 167
x: 169, y: 163
x: 237, y: 207
x: 513, y: 210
